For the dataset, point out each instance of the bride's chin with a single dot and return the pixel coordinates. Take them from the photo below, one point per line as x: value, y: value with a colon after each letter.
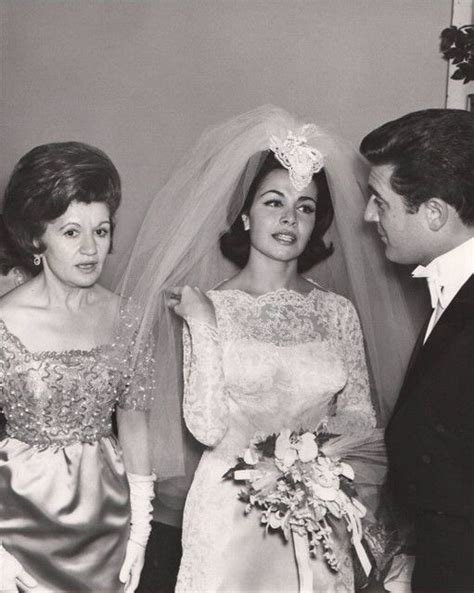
x: 282, y: 255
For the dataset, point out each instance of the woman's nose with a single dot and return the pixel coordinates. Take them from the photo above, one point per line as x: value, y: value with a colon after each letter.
x: 288, y: 217
x: 88, y: 244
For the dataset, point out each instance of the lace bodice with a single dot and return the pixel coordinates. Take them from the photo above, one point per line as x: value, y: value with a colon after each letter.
x: 279, y: 360
x: 57, y: 398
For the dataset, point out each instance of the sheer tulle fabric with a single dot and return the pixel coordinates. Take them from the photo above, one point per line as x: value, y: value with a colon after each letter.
x: 178, y: 244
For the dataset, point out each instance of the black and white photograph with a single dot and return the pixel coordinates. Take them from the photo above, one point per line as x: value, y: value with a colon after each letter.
x: 237, y: 296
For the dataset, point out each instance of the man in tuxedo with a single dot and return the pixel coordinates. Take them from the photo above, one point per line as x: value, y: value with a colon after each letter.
x: 421, y: 189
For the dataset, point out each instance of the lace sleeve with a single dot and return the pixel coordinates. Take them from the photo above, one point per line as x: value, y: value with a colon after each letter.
x: 205, y: 397
x: 138, y: 384
x: 354, y: 409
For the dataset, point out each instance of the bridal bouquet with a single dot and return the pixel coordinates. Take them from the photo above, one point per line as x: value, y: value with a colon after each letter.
x: 301, y: 491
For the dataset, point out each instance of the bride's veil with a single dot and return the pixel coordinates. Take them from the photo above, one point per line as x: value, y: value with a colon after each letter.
x: 178, y: 244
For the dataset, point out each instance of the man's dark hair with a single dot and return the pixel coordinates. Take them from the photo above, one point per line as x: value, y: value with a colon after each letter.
x: 432, y: 154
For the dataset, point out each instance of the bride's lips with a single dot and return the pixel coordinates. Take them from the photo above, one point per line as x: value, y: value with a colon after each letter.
x: 285, y: 238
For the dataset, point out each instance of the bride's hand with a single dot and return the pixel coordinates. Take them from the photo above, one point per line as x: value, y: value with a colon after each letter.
x: 191, y: 303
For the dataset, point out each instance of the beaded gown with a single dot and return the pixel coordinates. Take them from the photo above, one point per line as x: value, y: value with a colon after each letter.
x: 64, y: 496
x: 280, y: 360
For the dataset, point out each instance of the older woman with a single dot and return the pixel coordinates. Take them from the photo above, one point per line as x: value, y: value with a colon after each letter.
x: 64, y: 365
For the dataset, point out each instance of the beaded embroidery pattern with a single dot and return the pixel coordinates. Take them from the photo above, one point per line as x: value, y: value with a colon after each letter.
x: 58, y: 398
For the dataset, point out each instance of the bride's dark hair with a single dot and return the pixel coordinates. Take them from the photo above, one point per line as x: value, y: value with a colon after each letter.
x: 235, y: 243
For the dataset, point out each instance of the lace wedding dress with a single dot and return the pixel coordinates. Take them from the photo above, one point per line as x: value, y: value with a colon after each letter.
x: 281, y: 360
x: 64, y: 496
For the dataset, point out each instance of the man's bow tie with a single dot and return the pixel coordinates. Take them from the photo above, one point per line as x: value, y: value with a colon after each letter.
x: 434, y: 285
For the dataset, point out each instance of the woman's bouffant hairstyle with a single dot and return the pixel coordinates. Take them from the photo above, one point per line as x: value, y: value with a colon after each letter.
x: 10, y: 256
x: 235, y: 243
x: 44, y: 183
x: 432, y: 154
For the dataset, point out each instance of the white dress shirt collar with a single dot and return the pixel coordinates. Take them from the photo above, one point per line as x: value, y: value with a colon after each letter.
x: 450, y: 271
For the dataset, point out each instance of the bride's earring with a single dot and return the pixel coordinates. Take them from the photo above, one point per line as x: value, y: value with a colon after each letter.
x: 246, y: 221
x: 37, y: 260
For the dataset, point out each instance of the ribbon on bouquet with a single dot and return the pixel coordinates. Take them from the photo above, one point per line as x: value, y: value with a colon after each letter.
x: 353, y: 516
x: 303, y: 563
x: 305, y: 574
x: 246, y: 474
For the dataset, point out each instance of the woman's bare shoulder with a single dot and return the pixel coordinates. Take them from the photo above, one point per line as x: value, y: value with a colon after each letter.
x: 17, y: 299
x: 106, y: 296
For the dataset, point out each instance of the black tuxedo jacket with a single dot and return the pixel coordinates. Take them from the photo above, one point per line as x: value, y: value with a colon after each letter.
x: 429, y: 438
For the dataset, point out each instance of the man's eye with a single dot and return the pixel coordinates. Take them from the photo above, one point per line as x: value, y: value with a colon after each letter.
x: 377, y: 202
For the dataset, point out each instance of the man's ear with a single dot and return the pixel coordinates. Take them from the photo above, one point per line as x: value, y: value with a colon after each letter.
x: 436, y: 212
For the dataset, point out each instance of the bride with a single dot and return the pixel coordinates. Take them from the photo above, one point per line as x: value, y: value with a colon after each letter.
x: 268, y: 348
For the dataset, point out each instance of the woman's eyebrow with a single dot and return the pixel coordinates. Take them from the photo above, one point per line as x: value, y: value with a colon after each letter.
x: 70, y: 222
x: 307, y: 198
x: 272, y: 191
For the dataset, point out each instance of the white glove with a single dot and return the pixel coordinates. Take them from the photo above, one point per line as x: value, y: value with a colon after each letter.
x: 132, y: 566
x: 12, y: 574
x: 141, y: 495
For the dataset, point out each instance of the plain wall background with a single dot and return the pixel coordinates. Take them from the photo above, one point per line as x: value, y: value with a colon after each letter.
x: 141, y: 79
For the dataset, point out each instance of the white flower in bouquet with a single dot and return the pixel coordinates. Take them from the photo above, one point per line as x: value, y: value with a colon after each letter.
x: 289, y: 448
x: 325, y: 480
x: 297, y: 488
x: 264, y: 479
x: 346, y: 470
x: 251, y: 456
x: 307, y: 447
x: 285, y: 451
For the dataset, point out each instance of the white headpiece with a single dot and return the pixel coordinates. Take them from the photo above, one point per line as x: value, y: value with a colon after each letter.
x: 295, y: 154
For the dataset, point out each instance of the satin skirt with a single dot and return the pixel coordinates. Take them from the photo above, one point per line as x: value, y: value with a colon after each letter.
x: 65, y: 514
x: 226, y: 551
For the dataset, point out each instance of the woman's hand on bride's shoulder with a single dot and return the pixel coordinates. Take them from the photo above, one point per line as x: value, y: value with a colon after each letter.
x: 191, y: 303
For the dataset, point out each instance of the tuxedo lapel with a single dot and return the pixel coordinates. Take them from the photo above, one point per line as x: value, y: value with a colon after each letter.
x: 418, y: 346
x: 424, y: 356
x: 412, y: 364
